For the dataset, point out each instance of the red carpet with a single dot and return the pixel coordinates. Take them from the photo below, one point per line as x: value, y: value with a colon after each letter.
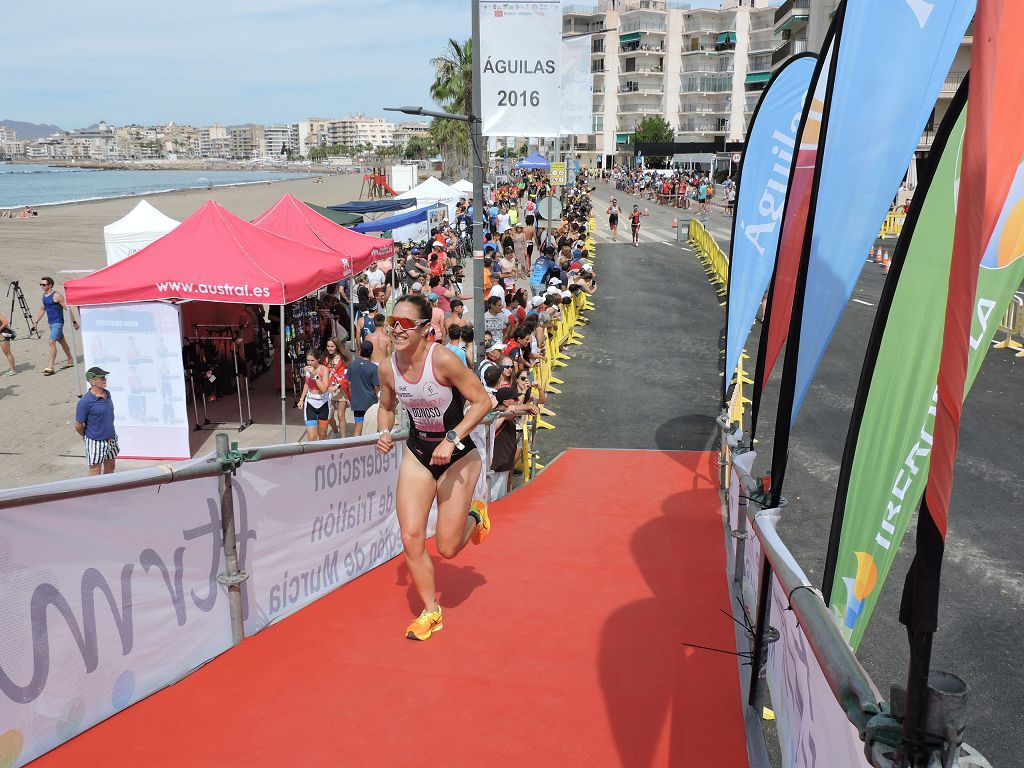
x: 562, y: 646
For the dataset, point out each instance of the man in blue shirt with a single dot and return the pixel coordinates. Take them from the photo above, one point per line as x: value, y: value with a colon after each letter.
x: 364, y: 384
x: 541, y: 267
x: 94, y: 421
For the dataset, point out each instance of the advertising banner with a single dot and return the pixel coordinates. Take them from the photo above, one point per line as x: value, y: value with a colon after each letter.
x: 520, y: 68
x: 812, y: 726
x: 577, y: 86
x: 140, y: 344
x: 761, y: 197
x: 859, y: 176
x: 309, y: 524
x: 888, y: 451
x: 105, y: 599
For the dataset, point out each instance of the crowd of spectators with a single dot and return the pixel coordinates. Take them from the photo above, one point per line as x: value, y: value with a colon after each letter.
x: 688, y: 190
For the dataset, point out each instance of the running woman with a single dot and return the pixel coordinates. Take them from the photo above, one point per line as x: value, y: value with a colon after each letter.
x: 441, y: 460
x: 613, y: 218
x: 634, y: 223
x: 315, y: 400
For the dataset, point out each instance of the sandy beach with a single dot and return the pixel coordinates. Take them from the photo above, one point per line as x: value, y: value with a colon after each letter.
x: 39, y: 443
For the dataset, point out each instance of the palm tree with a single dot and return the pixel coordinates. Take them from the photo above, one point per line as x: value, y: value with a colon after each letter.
x: 452, y: 89
x: 453, y: 77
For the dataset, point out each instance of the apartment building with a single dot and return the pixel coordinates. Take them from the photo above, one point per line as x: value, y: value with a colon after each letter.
x: 282, y: 139
x: 248, y: 142
x: 701, y: 70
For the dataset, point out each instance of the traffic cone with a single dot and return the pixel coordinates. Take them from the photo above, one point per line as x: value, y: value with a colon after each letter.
x: 886, y: 261
x: 878, y: 255
x: 675, y: 223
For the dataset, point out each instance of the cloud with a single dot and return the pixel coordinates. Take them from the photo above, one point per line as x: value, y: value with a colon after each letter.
x: 204, y: 61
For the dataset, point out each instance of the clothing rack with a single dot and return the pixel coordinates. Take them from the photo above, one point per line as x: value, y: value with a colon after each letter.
x: 221, y: 345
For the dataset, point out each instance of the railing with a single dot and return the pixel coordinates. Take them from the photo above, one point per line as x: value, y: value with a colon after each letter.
x: 762, y: 45
x: 579, y: 8
x: 642, y: 26
x: 791, y: 5
x: 646, y: 109
x: 1012, y: 326
x: 640, y: 49
x: 705, y: 108
x: 951, y: 83
x: 762, y: 24
x: 694, y: 26
x: 706, y: 85
x: 643, y: 69
x: 790, y: 48
x: 709, y: 67
x: 653, y: 90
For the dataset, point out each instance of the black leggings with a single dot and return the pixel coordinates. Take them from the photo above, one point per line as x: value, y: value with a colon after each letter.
x: 422, y: 445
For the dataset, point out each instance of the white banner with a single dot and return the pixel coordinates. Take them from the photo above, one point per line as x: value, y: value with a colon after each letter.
x: 577, y: 86
x: 314, y: 522
x: 520, y: 80
x: 812, y: 726
x: 140, y: 344
x: 104, y: 600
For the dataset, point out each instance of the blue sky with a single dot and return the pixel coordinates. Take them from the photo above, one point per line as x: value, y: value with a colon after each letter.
x: 226, y: 61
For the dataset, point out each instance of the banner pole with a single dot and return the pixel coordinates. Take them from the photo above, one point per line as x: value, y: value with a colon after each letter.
x: 476, y: 135
x: 232, y: 578
x: 760, y: 629
x: 284, y: 418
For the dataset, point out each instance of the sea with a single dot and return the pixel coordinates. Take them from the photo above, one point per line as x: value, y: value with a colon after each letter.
x: 37, y: 185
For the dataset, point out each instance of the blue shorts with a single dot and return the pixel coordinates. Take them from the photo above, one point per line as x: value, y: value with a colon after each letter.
x: 358, y: 416
x: 56, y: 331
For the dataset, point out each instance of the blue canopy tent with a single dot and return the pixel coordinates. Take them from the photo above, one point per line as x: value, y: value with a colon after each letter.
x: 374, y: 206
x: 394, y: 222
x: 534, y: 161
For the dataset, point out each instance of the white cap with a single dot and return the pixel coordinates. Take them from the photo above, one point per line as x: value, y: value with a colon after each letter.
x: 495, y: 346
x: 417, y: 286
x: 438, y: 244
x: 585, y: 264
x: 555, y: 281
x: 537, y: 301
x: 566, y: 295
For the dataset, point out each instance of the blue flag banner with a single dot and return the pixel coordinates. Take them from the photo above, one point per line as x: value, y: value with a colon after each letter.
x: 760, y: 198
x: 879, y: 102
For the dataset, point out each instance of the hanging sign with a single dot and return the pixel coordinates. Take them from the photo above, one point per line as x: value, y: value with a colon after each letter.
x: 520, y: 68
x: 558, y: 174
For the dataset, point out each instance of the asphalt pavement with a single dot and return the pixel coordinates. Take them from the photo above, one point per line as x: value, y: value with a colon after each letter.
x: 647, y: 376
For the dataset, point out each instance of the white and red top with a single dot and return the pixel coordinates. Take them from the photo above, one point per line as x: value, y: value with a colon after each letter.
x: 433, y: 407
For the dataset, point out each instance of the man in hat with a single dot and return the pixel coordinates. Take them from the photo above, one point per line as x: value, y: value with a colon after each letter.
x: 94, y: 421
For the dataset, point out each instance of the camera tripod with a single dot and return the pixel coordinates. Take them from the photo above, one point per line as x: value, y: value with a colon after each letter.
x: 19, y: 296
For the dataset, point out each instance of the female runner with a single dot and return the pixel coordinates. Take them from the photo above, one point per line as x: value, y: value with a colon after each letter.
x: 336, y: 360
x: 613, y: 218
x: 315, y: 400
x: 440, y: 461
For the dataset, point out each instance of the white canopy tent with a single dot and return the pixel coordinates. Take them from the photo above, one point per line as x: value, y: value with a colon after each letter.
x: 433, y: 191
x: 143, y: 225
x: 466, y: 187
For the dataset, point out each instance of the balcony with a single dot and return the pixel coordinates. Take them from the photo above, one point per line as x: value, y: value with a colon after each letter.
x: 645, y: 90
x: 625, y: 6
x: 790, y: 13
x: 702, y: 84
x: 759, y: 25
x: 656, y: 27
x: 636, y: 48
x: 762, y: 46
x: 639, y: 109
x: 705, y: 108
x: 643, y: 69
x: 579, y: 9
x: 787, y: 51
x: 951, y: 83
x: 598, y: 89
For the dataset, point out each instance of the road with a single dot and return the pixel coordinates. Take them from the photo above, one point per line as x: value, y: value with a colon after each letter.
x: 647, y: 377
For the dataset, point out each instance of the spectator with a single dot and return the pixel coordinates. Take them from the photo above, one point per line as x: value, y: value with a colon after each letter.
x: 380, y: 340
x: 364, y: 384
x: 94, y: 421
x: 495, y: 319
x: 492, y: 355
x: 454, y: 339
x: 336, y: 360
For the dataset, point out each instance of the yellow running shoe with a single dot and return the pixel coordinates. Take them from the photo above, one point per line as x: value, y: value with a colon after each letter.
x: 428, y: 623
x: 484, y: 526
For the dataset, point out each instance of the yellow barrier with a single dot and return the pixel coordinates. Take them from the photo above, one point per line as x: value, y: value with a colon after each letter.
x: 716, y: 263
x: 893, y: 224
x: 1012, y: 325
x: 558, y: 338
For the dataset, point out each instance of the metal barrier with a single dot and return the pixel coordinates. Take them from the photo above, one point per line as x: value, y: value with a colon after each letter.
x: 1012, y: 325
x: 877, y: 723
x: 716, y: 263
x: 893, y: 224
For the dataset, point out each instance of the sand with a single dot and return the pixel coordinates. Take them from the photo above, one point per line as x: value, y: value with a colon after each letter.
x: 38, y: 442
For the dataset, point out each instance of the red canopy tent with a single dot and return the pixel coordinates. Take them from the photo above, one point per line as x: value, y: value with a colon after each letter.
x: 294, y: 219
x: 212, y: 256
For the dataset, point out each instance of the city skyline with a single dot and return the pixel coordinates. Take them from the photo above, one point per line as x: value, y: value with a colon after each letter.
x: 258, y: 61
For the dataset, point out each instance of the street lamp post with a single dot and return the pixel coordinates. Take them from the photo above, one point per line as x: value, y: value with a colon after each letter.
x: 476, y: 140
